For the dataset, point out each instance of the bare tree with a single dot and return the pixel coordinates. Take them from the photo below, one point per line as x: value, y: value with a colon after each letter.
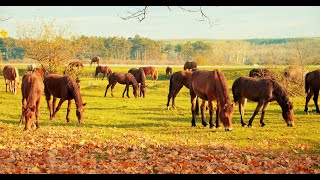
x: 140, y: 14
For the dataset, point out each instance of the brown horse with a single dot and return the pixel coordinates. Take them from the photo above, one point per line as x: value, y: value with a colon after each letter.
x: 262, y: 91
x: 210, y: 86
x: 75, y: 64
x: 11, y: 78
x: 152, y: 71
x: 260, y: 73
x: 189, y: 65
x: 168, y: 72
x: 122, y: 78
x: 141, y: 79
x: 105, y: 70
x: 312, y: 86
x: 96, y: 60
x: 65, y: 88
x: 32, y: 88
x: 39, y: 72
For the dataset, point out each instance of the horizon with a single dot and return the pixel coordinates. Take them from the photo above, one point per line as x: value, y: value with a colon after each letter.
x: 229, y: 22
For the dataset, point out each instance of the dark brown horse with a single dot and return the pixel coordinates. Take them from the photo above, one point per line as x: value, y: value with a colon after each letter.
x: 122, y: 78
x: 96, y: 60
x: 260, y: 73
x: 75, y: 64
x: 210, y: 86
x: 105, y: 70
x: 150, y: 70
x: 189, y: 65
x: 312, y: 86
x: 262, y: 91
x: 11, y: 78
x: 168, y: 72
x: 141, y: 80
x: 32, y: 88
x: 65, y: 88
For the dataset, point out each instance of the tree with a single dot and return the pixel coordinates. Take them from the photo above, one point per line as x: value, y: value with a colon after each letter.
x: 52, y: 46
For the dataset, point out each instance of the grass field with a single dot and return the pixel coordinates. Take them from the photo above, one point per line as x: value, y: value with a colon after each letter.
x: 145, y: 121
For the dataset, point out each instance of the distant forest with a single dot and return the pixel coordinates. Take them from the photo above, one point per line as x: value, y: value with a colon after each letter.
x: 285, y: 51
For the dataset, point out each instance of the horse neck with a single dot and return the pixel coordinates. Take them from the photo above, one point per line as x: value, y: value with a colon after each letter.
x: 223, y: 97
x: 75, y: 92
x: 280, y: 95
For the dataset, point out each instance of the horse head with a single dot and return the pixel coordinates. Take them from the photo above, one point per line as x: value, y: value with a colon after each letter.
x: 29, y: 114
x: 79, y: 112
x: 226, y: 113
x: 287, y: 113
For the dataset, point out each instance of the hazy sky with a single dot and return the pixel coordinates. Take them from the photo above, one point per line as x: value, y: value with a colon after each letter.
x: 230, y: 22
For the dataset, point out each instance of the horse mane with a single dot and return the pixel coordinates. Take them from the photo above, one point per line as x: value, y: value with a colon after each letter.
x: 143, y: 76
x: 283, y: 96
x: 223, y: 83
x: 74, y: 90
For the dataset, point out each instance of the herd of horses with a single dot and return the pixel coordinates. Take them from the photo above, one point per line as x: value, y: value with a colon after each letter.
x: 209, y: 86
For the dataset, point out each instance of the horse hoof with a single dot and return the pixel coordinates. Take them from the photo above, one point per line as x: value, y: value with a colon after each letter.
x: 249, y: 125
x: 243, y: 125
x: 262, y: 125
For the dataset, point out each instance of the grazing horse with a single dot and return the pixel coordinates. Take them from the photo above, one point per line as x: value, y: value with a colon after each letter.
x: 75, y: 64
x: 32, y: 88
x: 11, y: 78
x: 189, y: 65
x: 141, y: 79
x: 260, y: 73
x: 262, y: 91
x: 210, y: 86
x: 65, y: 88
x: 122, y: 78
x: 31, y: 67
x: 152, y: 71
x: 168, y: 72
x: 96, y: 60
x: 312, y: 86
x: 105, y: 70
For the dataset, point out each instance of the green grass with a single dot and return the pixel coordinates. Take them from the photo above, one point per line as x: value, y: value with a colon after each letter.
x: 135, y: 120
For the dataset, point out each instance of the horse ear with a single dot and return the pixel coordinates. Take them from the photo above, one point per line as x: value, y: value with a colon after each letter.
x: 84, y: 104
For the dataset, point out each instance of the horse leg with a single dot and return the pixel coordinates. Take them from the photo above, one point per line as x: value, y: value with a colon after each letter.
x: 104, y: 74
x: 210, y: 104
x: 126, y: 89
x: 260, y: 103
x: 58, y: 107
x: 68, y: 110
x: 203, y: 110
x: 217, y: 114
x: 54, y: 100
x: 37, y: 113
x: 265, y: 105
x: 310, y: 94
x: 242, y: 103
x: 48, y: 98
x: 172, y: 94
x: 24, y: 104
x: 112, y: 86
x: 193, y: 107
x: 105, y: 93
x: 315, y: 99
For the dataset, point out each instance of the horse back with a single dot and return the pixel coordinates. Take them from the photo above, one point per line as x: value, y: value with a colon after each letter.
x: 32, y: 86
x: 313, y: 79
x: 57, y: 85
x: 10, y: 72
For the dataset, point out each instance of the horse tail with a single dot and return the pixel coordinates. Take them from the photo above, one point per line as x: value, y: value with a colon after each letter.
x: 235, y: 90
x: 306, y: 84
x: 156, y: 75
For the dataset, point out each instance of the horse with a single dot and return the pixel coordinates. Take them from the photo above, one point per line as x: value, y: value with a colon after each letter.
x: 11, y: 78
x: 122, y: 78
x: 65, y: 88
x: 105, y: 70
x: 32, y: 88
x: 210, y: 86
x: 96, y: 60
x: 152, y: 71
x: 141, y: 79
x: 262, y: 91
x: 312, y: 86
x: 260, y: 73
x: 189, y: 65
x: 168, y: 72
x: 31, y: 67
x: 75, y: 64
x: 39, y: 72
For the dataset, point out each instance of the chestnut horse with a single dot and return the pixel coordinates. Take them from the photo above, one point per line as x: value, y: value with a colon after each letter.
x: 11, y: 78
x: 141, y: 79
x: 260, y: 73
x: 262, y: 91
x: 210, y: 86
x: 39, y: 72
x: 312, y: 86
x: 65, y: 88
x: 32, y: 88
x: 75, y: 64
x: 96, y: 60
x: 105, y: 70
x: 122, y: 78
x: 152, y: 71
x: 189, y: 65
x: 168, y: 72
